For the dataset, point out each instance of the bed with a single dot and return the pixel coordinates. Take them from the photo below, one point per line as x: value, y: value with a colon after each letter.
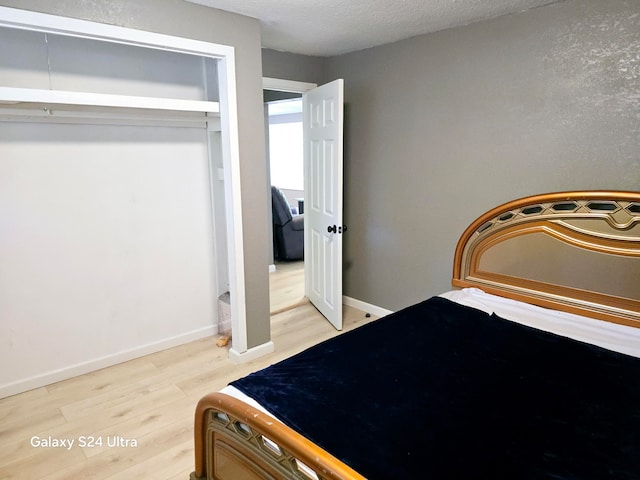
x: 527, y: 368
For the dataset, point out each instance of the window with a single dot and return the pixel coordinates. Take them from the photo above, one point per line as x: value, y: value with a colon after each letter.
x: 285, y: 144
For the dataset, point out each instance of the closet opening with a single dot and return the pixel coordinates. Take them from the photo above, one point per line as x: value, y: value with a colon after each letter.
x: 119, y: 191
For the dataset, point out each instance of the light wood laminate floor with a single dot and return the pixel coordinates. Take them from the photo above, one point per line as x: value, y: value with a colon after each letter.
x: 286, y: 286
x: 141, y: 410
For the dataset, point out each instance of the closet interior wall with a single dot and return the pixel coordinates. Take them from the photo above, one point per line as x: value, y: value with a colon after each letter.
x: 112, y: 219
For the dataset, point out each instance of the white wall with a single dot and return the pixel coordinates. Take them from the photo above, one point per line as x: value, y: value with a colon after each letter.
x: 105, y: 246
x: 106, y: 230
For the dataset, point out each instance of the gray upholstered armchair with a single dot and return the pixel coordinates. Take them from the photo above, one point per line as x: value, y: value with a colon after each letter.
x: 288, y: 230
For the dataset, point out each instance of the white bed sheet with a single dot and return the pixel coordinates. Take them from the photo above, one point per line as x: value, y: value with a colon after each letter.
x: 619, y: 338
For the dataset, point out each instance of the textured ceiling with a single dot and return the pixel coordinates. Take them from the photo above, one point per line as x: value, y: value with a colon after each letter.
x: 334, y: 27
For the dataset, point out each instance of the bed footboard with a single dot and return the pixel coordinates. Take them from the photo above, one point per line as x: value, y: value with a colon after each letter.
x: 234, y: 440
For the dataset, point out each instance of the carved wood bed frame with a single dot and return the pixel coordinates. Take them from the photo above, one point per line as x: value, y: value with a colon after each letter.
x: 571, y: 251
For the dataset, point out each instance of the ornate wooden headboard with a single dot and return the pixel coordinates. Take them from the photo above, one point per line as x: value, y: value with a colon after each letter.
x: 572, y: 251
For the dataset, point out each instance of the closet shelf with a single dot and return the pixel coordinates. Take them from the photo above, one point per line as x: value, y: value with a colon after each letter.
x: 39, y: 98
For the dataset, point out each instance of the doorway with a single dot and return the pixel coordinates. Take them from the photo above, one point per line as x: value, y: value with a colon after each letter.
x: 322, y: 126
x: 283, y: 115
x: 283, y: 119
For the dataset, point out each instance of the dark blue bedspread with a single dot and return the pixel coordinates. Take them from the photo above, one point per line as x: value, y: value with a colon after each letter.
x: 443, y: 391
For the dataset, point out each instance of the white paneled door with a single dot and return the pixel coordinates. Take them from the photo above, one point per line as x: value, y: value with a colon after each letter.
x: 323, y: 143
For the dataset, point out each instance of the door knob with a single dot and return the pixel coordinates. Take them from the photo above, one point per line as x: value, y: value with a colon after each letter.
x: 334, y: 229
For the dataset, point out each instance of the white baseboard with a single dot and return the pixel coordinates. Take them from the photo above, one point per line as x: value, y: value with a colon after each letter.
x: 267, y: 348
x: 54, y: 376
x: 272, y: 268
x: 251, y: 354
x: 365, y: 307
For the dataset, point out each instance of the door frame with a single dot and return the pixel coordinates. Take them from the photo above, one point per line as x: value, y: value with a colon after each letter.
x: 291, y: 86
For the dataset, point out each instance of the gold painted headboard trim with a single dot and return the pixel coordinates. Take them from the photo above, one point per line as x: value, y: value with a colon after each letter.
x: 584, y: 254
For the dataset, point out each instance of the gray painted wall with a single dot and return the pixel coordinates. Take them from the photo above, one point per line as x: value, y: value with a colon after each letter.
x: 291, y: 66
x: 442, y: 127
x: 175, y: 17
